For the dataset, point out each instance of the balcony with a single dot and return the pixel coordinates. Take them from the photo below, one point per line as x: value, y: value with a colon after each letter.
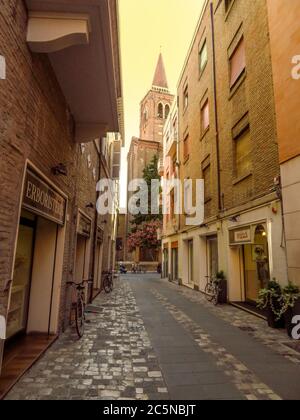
x: 171, y: 146
x: 160, y: 167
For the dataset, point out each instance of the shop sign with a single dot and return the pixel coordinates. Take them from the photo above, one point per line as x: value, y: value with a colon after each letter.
x: 241, y: 236
x: 40, y: 198
x: 84, y: 226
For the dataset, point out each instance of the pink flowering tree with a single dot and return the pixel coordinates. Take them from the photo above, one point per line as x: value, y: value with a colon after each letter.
x: 145, y: 236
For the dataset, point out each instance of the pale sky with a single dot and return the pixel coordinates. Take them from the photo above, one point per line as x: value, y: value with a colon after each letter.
x: 145, y: 27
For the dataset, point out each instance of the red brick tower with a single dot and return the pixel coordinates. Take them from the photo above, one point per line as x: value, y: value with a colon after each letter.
x: 155, y: 106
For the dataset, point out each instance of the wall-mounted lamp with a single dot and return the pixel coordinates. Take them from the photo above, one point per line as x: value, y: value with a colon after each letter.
x: 234, y: 219
x: 60, y: 169
x: 90, y: 206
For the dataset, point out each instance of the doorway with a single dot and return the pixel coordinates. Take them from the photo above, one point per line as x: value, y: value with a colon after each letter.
x: 213, y: 256
x: 174, y: 267
x: 190, y: 261
x: 256, y: 265
x: 20, y: 292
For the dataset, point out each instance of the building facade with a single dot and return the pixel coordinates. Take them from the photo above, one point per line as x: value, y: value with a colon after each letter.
x: 53, y: 120
x: 228, y: 138
x: 154, y: 110
x: 285, y: 41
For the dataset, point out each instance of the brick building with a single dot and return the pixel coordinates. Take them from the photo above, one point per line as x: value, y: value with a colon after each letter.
x: 154, y: 110
x: 227, y: 137
x: 59, y: 98
x: 285, y: 41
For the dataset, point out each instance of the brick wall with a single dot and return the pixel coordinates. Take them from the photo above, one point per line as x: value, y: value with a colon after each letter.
x: 35, y: 124
x: 254, y: 95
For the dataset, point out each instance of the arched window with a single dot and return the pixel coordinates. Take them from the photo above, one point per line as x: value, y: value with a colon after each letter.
x: 145, y: 114
x: 167, y: 111
x: 160, y: 111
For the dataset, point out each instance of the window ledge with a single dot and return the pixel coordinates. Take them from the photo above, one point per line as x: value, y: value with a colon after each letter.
x: 204, y: 133
x: 235, y: 87
x: 242, y: 178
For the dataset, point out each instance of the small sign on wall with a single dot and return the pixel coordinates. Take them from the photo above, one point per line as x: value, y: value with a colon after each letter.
x: 2, y: 328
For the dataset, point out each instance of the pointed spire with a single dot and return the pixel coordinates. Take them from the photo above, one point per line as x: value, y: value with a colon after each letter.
x: 160, y: 77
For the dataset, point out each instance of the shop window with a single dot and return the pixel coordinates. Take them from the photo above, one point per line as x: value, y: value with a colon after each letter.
x: 237, y: 62
x: 243, y: 162
x: 203, y: 57
x: 205, y: 117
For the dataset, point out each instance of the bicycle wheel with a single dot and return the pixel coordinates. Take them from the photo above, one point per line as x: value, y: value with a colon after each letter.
x: 112, y: 284
x: 215, y: 299
x: 107, y: 284
x: 79, y: 318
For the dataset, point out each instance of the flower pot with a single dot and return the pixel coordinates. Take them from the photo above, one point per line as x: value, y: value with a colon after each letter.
x: 222, y: 297
x: 271, y: 317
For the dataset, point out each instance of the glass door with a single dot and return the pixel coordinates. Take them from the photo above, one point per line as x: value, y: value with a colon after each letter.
x: 20, y: 293
x: 256, y: 264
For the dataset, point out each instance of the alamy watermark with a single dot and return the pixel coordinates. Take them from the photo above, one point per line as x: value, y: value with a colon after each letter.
x: 296, y: 67
x: 296, y: 329
x: 169, y: 197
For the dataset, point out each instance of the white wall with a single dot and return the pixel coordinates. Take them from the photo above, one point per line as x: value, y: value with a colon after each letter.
x: 290, y: 174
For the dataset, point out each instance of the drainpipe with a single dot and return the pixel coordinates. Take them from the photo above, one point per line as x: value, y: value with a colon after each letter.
x: 220, y: 206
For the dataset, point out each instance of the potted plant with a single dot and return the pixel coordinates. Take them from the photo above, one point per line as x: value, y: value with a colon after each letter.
x: 270, y: 299
x: 222, y: 283
x: 290, y: 305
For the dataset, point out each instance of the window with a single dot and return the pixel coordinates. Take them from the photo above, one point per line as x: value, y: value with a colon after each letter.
x: 243, y: 163
x: 160, y: 111
x: 203, y: 57
x: 227, y: 5
x: 186, y: 148
x: 237, y: 62
x: 186, y: 97
x: 167, y: 111
x: 205, y: 117
x: 207, y: 183
x: 175, y: 130
x: 172, y: 205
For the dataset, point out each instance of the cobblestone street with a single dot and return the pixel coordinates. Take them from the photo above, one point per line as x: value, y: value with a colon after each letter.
x: 154, y: 340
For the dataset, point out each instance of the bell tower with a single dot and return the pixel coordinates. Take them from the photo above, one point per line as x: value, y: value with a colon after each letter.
x: 156, y: 105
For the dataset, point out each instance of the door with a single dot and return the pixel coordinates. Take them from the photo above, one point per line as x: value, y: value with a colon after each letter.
x: 20, y: 292
x: 190, y: 261
x: 213, y: 256
x: 175, y: 264
x: 256, y: 264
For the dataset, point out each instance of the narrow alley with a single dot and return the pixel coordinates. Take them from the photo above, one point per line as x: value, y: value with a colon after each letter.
x: 153, y: 340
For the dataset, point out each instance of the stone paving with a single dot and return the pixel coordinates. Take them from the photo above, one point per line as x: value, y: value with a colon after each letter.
x: 154, y: 340
x: 113, y: 361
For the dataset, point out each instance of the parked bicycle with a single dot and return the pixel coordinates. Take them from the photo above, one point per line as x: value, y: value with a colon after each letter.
x: 78, y: 305
x: 108, y: 282
x: 212, y: 290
